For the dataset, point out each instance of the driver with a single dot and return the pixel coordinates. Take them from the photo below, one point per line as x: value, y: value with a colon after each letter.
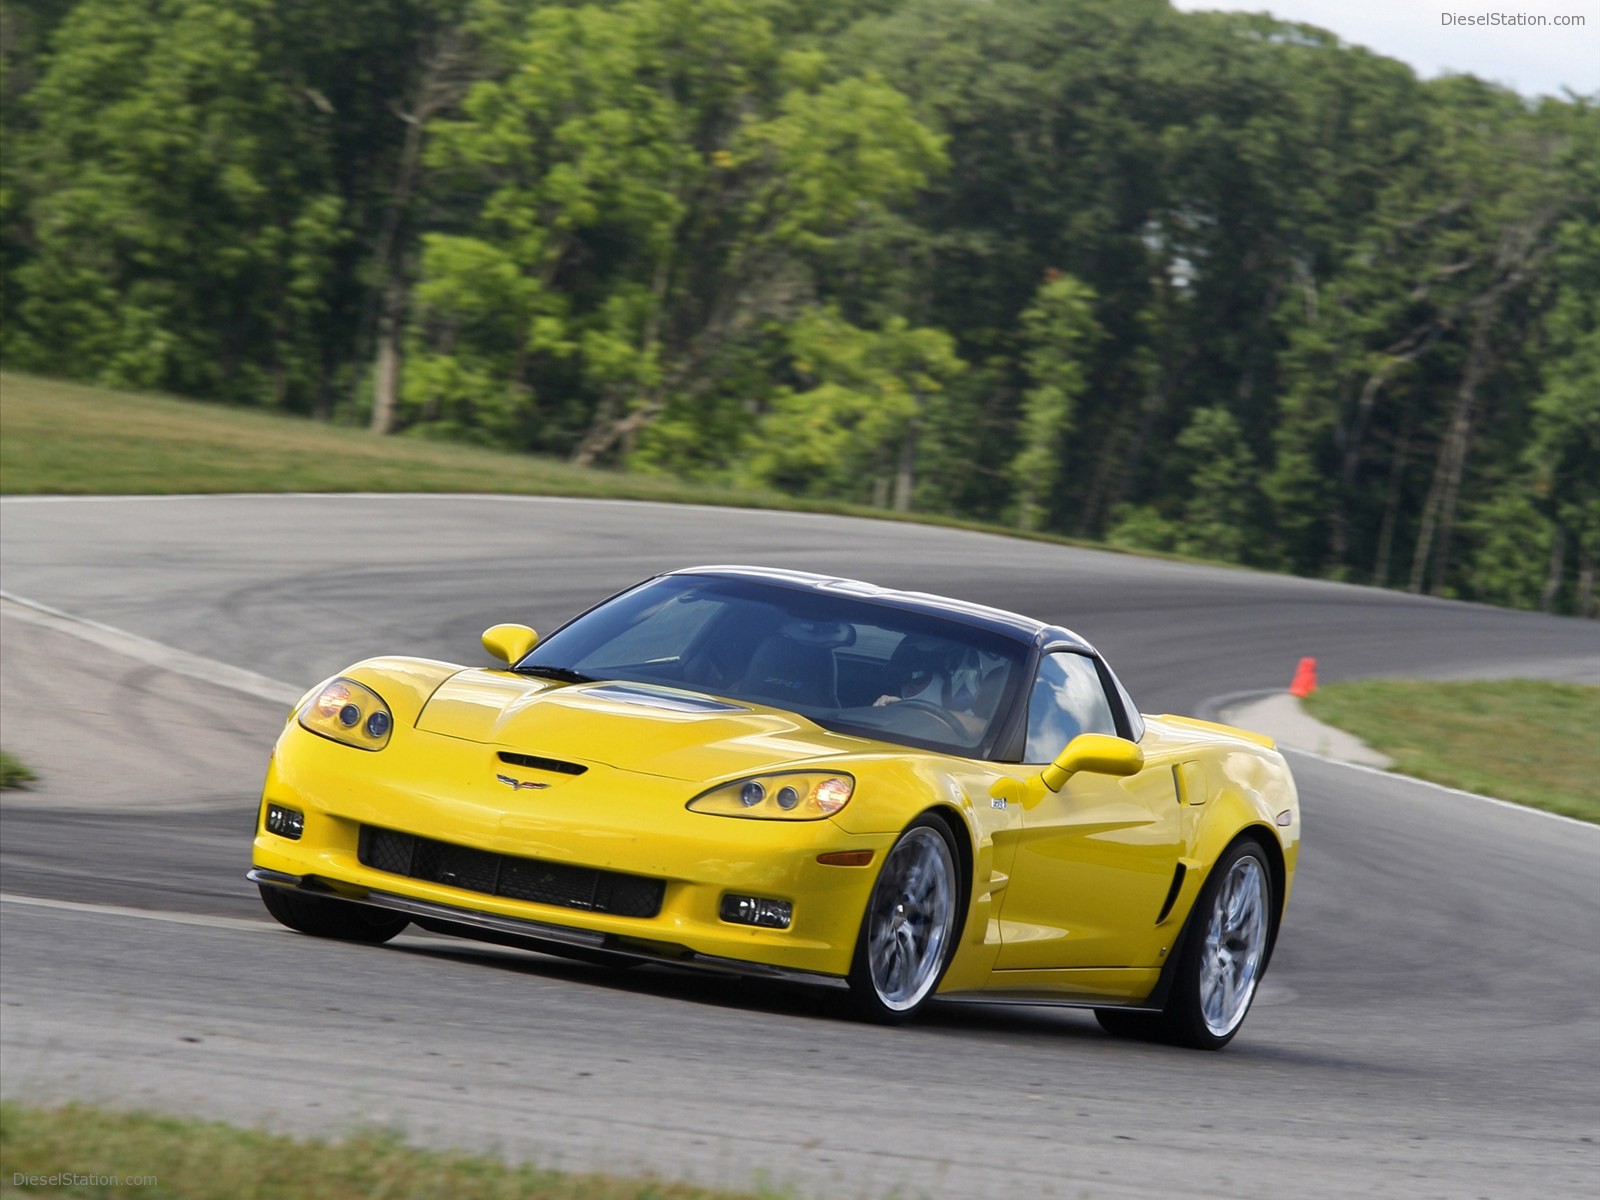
x: 919, y: 676
x: 944, y: 677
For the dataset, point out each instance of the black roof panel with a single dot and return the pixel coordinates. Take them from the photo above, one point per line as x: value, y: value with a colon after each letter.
x: 997, y: 620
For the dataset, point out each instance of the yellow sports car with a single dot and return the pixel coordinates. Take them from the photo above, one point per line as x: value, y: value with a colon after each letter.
x: 792, y: 775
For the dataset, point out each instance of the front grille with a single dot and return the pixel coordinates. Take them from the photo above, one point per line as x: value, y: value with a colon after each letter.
x: 506, y: 875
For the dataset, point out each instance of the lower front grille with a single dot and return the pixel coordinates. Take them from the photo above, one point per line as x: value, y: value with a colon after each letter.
x: 505, y: 875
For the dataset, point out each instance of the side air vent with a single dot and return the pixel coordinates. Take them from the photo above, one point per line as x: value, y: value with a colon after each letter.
x: 1172, y: 893
x: 542, y: 764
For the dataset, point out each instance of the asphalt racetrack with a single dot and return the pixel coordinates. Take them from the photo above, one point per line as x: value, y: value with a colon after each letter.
x: 1430, y: 1025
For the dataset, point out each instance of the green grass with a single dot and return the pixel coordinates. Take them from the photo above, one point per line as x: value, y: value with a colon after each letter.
x: 13, y: 772
x: 1529, y: 742
x: 200, y: 1160
x: 59, y: 438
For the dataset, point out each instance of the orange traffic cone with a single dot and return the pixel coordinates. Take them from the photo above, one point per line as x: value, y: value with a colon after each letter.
x: 1305, y: 678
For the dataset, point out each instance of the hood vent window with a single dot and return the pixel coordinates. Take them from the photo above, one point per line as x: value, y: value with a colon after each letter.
x: 542, y: 764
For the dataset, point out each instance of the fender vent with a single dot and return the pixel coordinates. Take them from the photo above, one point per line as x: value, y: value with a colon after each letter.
x: 1172, y: 892
x: 542, y: 764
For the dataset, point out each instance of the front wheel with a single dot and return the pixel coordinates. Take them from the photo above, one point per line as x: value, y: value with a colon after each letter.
x: 1220, y: 965
x: 321, y: 917
x: 908, y: 933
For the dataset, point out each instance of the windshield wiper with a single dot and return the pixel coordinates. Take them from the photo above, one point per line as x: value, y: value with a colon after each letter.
x: 564, y: 674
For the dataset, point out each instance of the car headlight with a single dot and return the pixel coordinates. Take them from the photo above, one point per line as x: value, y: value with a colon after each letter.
x: 348, y: 712
x: 802, y: 796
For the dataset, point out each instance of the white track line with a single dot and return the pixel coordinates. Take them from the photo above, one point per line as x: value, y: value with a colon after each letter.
x: 169, y: 917
x: 141, y: 914
x: 131, y: 645
x: 1439, y: 787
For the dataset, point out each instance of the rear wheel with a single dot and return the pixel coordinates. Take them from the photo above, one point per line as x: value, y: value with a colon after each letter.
x: 323, y: 917
x: 1221, y: 962
x: 908, y: 933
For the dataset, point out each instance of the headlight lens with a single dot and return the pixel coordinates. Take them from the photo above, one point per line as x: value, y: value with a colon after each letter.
x: 348, y: 712
x: 803, y: 796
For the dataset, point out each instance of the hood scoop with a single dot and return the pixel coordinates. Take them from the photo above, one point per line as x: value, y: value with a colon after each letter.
x: 555, y: 766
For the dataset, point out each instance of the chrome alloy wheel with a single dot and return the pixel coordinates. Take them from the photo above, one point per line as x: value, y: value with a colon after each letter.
x: 1236, y: 943
x: 910, y: 918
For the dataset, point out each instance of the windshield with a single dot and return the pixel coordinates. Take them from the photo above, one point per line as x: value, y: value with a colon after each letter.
x: 849, y: 664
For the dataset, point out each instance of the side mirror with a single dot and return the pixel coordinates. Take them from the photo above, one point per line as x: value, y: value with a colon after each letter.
x: 509, y: 643
x: 1094, y: 752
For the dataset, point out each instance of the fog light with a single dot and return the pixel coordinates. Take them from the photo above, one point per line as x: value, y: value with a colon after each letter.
x: 753, y: 910
x: 285, y: 822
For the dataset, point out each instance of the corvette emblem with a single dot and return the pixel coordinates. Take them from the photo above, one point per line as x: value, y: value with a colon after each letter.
x: 517, y: 785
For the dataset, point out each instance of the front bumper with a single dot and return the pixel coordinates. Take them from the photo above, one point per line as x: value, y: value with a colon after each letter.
x: 435, y: 787
x: 536, y: 935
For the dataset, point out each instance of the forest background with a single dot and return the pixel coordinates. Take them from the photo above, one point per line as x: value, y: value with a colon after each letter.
x: 1200, y: 282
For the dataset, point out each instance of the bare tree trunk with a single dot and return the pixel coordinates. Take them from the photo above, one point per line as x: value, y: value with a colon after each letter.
x: 1430, y: 515
x: 603, y: 433
x: 1351, y: 442
x: 386, y: 370
x: 905, y: 476
x: 1459, y: 443
x: 1105, y: 480
x: 1586, y: 600
x: 1391, y: 506
x: 1558, y: 566
x: 439, y: 86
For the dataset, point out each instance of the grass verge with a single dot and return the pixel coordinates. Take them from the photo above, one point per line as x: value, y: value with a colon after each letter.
x: 14, y: 772
x: 60, y: 438
x: 1521, y: 740
x: 95, y: 1152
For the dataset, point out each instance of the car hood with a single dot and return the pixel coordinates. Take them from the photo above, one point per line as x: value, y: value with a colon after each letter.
x: 639, y: 727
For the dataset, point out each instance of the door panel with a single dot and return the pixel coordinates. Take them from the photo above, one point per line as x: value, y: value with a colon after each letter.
x: 1092, y: 868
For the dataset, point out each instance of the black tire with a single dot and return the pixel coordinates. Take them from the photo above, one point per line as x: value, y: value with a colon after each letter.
x: 1137, y: 1026
x: 340, y: 919
x: 910, y: 928
x: 1221, y: 960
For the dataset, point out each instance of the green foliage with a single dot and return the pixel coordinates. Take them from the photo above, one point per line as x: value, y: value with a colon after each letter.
x: 1298, y: 307
x: 184, y: 204
x: 14, y: 773
x: 1055, y: 329
x: 647, y: 207
x: 857, y: 419
x: 1142, y: 528
x: 1216, y: 515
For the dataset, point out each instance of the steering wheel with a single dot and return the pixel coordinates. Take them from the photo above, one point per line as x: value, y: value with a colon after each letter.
x: 939, y: 711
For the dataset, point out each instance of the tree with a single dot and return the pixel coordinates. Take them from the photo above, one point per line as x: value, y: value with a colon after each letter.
x: 198, y: 183
x: 853, y: 429
x: 655, y: 175
x: 1222, y: 487
x: 1057, y: 328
